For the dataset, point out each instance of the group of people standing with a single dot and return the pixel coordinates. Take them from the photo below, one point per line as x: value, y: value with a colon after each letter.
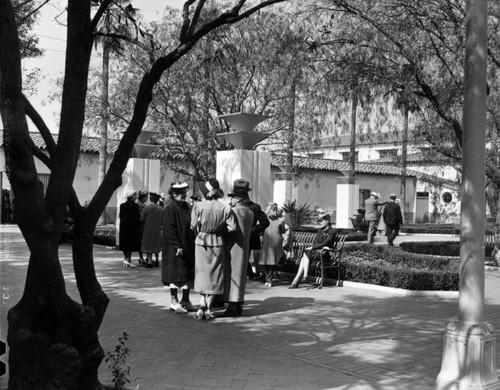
x: 140, y: 228
x: 206, y: 245
x: 389, y: 212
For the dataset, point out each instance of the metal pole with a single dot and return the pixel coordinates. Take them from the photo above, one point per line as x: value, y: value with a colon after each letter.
x: 473, y: 208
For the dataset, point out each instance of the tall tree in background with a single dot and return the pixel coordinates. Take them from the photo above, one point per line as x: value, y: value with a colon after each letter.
x: 118, y: 25
x: 242, y: 68
x: 53, y: 339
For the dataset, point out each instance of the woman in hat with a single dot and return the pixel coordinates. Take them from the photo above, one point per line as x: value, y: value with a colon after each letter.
x: 151, y: 236
x: 272, y: 242
x: 325, y: 236
x: 177, y: 268
x: 129, y: 228
x: 210, y: 221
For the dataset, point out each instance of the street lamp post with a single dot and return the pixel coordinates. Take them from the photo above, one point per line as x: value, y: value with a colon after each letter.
x: 469, y: 342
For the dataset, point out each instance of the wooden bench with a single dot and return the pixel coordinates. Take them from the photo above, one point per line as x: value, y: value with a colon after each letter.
x: 302, y: 240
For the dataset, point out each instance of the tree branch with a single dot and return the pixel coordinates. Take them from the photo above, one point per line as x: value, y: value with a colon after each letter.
x: 40, y: 125
x: 98, y: 15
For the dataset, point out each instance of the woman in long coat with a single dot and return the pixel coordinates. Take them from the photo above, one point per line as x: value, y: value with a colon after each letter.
x: 151, y: 237
x: 210, y: 221
x: 177, y: 268
x: 272, y: 242
x: 129, y: 228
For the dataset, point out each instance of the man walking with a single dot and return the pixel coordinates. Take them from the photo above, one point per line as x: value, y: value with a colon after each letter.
x: 371, y: 215
x: 393, y: 219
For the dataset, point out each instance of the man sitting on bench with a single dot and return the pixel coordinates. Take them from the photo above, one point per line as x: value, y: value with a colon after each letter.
x: 325, y: 237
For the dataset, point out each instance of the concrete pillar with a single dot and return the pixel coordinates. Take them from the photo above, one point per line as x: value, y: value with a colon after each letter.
x: 284, y: 188
x: 243, y: 162
x: 140, y: 174
x: 251, y: 165
x: 469, y: 343
x: 347, y: 200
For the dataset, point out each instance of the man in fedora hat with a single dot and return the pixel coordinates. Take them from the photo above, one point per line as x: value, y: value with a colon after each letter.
x: 392, y: 218
x: 236, y: 269
x: 241, y: 188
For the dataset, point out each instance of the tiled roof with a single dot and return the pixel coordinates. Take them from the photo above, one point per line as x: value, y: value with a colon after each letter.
x: 91, y: 145
x: 323, y: 164
x: 366, y: 139
x: 366, y: 168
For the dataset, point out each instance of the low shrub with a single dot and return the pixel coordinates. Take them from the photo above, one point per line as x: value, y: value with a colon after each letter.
x: 105, y: 235
x: 393, y: 267
x: 439, y: 248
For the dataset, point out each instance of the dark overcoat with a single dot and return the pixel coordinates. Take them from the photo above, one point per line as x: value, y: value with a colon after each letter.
x: 392, y: 215
x: 259, y: 225
x: 177, y: 233
x: 130, y: 239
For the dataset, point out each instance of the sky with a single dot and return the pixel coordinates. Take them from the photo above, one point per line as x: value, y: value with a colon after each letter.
x: 51, y: 32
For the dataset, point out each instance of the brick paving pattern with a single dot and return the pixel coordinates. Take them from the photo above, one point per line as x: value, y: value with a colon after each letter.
x: 334, y: 338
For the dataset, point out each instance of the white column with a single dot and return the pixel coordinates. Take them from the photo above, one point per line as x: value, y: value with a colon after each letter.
x: 347, y: 203
x: 251, y: 165
x: 284, y: 190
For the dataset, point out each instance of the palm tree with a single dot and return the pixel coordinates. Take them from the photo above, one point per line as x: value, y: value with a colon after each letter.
x: 118, y: 25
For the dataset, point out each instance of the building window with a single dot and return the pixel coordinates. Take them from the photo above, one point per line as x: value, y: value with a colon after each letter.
x: 447, y: 197
x: 345, y: 156
x: 317, y: 155
x: 388, y: 153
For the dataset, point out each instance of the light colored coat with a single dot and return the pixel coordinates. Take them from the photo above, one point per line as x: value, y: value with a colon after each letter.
x: 371, y: 209
x: 210, y: 221
x: 238, y: 247
x: 272, y: 242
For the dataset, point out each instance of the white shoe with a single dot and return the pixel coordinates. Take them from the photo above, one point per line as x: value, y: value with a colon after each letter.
x: 177, y: 308
x: 128, y: 264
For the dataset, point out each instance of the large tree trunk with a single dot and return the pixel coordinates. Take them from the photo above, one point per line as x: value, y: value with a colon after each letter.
x: 53, y: 340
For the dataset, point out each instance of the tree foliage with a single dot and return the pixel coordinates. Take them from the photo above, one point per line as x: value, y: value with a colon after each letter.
x: 53, y: 339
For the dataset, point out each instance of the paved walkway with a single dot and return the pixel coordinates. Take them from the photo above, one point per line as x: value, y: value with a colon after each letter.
x: 334, y: 338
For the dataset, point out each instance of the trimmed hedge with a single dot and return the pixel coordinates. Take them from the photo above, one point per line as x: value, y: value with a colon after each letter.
x: 439, y: 248
x: 392, y: 267
x: 105, y: 235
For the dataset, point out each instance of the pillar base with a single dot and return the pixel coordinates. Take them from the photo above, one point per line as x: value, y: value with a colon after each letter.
x: 468, y: 358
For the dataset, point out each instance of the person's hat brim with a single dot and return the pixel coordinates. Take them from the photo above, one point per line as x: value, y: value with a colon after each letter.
x: 180, y: 186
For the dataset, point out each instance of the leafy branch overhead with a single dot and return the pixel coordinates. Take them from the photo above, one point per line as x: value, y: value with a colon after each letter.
x: 39, y: 212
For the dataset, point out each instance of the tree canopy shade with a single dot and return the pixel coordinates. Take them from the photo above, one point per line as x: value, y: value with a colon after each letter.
x: 53, y: 339
x: 414, y: 50
x: 246, y: 67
